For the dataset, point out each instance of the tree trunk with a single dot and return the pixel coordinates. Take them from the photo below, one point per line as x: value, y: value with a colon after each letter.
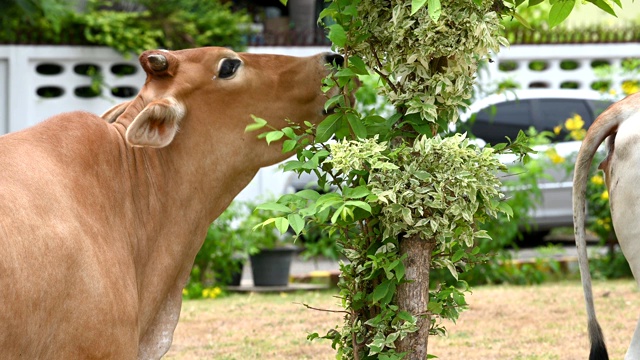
x: 413, y: 296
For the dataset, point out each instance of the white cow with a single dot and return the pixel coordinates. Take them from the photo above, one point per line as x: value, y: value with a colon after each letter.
x: 621, y: 124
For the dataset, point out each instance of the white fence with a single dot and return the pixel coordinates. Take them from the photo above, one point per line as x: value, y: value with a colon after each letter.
x: 37, y: 82
x: 556, y: 66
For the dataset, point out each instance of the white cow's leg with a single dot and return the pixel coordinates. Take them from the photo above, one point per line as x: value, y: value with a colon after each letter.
x: 634, y: 349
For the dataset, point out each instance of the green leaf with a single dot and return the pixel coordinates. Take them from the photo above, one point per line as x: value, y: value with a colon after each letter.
x: 336, y: 214
x: 358, y: 66
x: 292, y: 165
x: 257, y: 125
x: 434, y: 307
x: 435, y: 10
x: 399, y: 270
x: 337, y: 35
x: 274, y: 136
x: 328, y: 127
x: 417, y: 5
x: 308, y: 194
x: 406, y: 316
x: 345, y: 73
x: 522, y: 20
x: 406, y: 216
x: 357, y: 126
x: 505, y: 208
x: 603, y: 5
x: 361, y: 204
x: 282, y: 224
x: 381, y: 291
x: 272, y: 206
x: 334, y: 101
x: 297, y: 222
x: 289, y: 132
x: 535, y: 2
x: 263, y: 224
x: 452, y: 269
x: 458, y: 255
x: 356, y: 193
x: 288, y: 145
x: 560, y: 11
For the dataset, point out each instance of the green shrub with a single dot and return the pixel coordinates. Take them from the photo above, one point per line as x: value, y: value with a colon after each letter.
x: 222, y: 253
x: 174, y: 24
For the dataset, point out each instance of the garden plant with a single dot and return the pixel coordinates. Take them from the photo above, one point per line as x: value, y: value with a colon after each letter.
x: 410, y: 197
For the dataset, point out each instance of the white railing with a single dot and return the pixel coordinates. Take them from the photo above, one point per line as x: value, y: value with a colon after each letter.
x: 41, y: 81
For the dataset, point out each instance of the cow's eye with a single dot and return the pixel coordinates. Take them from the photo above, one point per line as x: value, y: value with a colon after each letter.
x: 228, y: 68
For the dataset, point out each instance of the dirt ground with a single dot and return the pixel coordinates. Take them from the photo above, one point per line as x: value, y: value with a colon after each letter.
x: 504, y: 322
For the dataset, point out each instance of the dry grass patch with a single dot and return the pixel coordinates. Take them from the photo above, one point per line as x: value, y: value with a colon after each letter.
x: 504, y: 322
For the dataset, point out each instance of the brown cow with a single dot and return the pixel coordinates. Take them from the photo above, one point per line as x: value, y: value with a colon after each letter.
x: 100, y: 222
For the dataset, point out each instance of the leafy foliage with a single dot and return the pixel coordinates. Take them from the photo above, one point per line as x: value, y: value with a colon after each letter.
x: 558, y: 11
x: 395, y: 176
x: 174, y: 24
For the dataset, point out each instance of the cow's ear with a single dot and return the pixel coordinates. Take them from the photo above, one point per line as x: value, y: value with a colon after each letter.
x: 157, y: 124
x: 112, y: 114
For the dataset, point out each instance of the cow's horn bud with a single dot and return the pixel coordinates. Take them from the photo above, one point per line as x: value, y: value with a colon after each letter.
x: 158, y: 62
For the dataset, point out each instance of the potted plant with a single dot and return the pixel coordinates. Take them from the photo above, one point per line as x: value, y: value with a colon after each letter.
x: 223, y: 254
x: 270, y: 253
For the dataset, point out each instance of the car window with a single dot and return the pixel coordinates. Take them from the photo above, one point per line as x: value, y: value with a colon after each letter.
x: 495, y: 122
x: 554, y: 112
x: 598, y: 106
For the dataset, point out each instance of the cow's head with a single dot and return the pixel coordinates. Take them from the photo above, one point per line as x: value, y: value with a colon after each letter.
x: 212, y: 92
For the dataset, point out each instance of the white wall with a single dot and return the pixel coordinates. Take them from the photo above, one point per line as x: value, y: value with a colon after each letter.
x: 553, y: 55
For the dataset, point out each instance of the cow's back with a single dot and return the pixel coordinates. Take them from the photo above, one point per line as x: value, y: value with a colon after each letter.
x: 54, y: 198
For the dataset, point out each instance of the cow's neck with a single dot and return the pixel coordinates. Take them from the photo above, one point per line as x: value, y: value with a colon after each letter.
x: 177, y: 193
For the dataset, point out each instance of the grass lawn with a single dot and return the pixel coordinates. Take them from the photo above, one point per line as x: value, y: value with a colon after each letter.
x: 503, y: 322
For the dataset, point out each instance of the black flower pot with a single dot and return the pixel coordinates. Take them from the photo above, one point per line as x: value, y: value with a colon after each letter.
x: 271, y: 267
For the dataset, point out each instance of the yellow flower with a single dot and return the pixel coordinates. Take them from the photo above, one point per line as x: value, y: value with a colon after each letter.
x: 578, y: 134
x: 597, y: 180
x: 554, y: 156
x: 185, y: 292
x: 557, y: 129
x: 211, y: 293
x: 613, y: 92
x: 574, y: 123
x: 630, y: 87
x: 604, y: 195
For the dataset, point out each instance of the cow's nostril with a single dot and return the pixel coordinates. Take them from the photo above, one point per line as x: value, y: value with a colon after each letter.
x: 334, y: 59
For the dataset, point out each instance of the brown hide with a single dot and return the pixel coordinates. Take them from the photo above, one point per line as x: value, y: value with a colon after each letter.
x: 100, y: 221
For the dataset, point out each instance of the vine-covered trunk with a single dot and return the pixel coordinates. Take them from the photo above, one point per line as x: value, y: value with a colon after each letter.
x: 413, y: 296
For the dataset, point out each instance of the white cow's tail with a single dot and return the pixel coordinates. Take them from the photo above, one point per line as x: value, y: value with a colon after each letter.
x: 606, y: 124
